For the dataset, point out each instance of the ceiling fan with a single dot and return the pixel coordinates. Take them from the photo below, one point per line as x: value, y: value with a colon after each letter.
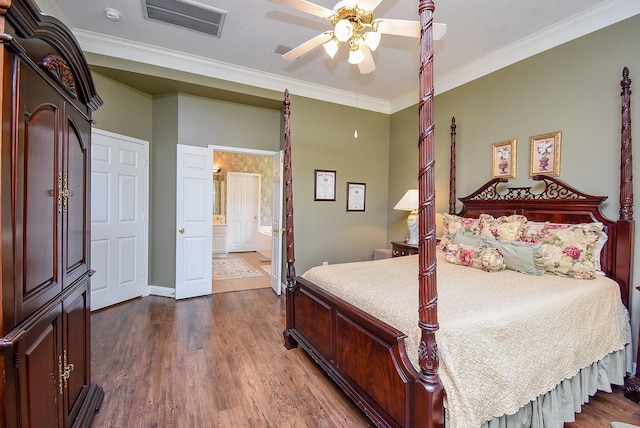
x: 353, y: 24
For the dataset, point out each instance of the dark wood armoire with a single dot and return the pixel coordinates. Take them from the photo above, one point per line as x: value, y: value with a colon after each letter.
x: 48, y: 97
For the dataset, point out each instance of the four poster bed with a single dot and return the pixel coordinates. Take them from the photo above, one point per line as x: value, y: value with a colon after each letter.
x: 508, y: 343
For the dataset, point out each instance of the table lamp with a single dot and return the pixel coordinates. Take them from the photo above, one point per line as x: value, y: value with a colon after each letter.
x: 409, y: 202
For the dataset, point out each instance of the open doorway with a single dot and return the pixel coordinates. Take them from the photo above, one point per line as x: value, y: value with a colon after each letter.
x: 233, y: 169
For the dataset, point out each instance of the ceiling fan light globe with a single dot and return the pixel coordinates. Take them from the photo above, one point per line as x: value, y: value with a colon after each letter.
x: 356, y: 56
x: 372, y: 40
x: 343, y: 30
x: 331, y: 47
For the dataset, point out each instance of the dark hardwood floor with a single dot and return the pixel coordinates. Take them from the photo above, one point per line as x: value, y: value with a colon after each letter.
x: 219, y: 361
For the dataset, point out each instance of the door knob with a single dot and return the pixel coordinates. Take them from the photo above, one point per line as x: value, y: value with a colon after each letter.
x: 181, y: 230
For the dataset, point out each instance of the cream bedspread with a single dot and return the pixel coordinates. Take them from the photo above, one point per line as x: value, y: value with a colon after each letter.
x: 504, y: 337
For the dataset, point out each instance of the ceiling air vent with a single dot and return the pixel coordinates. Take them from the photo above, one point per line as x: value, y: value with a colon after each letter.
x: 186, y: 14
x: 282, y: 49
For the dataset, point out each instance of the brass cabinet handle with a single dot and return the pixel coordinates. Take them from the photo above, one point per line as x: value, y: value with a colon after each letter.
x: 64, y: 372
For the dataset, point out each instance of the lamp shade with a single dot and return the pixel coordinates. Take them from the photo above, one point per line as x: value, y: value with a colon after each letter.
x: 408, y: 202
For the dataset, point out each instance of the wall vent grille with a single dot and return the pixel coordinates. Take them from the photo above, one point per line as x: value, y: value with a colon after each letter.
x: 186, y: 14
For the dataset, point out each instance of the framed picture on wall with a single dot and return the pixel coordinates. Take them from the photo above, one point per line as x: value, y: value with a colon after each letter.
x: 503, y: 159
x: 324, y: 185
x: 545, y: 154
x: 356, y: 196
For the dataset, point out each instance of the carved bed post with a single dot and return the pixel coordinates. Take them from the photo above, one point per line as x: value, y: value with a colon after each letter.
x: 626, y: 167
x: 452, y: 169
x: 624, y: 230
x: 428, y: 387
x: 625, y: 220
x: 289, y: 341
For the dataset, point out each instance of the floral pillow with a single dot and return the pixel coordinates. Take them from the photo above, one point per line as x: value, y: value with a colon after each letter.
x: 487, y: 259
x: 567, y: 249
x: 505, y: 228
x: 454, y: 224
x: 532, y: 230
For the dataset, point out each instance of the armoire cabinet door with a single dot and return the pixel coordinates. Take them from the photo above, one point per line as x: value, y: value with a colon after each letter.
x: 75, y: 207
x: 38, y: 184
x: 39, y: 366
x: 52, y: 211
x: 48, y: 96
x: 76, y: 344
x: 53, y: 364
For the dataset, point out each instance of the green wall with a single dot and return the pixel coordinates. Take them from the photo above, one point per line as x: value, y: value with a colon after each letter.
x: 204, y: 122
x: 125, y: 110
x: 574, y: 88
x: 162, y: 242
x: 322, y: 138
x: 196, y: 121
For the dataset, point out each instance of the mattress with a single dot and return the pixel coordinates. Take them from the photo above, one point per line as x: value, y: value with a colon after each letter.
x: 502, y: 331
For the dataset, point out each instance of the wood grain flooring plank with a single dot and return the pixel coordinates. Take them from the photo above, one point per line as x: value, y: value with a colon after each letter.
x: 219, y: 361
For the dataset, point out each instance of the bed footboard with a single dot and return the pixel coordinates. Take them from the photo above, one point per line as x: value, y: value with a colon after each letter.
x: 364, y: 356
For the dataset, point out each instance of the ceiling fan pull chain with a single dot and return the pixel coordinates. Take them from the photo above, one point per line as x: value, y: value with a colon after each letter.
x: 355, y: 133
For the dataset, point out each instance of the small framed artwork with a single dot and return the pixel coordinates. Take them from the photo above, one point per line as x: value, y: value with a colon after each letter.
x: 325, y: 185
x: 545, y: 154
x: 503, y: 159
x: 356, y: 196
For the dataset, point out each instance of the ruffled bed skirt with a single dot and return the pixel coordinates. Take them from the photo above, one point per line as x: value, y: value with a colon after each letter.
x: 560, y: 405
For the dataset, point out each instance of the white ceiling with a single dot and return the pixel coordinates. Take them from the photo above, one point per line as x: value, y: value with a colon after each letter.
x: 481, y: 37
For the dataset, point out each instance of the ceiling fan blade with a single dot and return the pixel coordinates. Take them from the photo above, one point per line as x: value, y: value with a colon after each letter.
x: 306, y: 6
x: 369, y: 5
x: 307, y: 46
x: 439, y: 30
x: 401, y: 27
x: 367, y: 65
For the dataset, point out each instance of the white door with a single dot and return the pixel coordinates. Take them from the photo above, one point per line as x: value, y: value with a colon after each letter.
x: 119, y: 177
x: 243, y: 211
x: 276, y: 228
x: 194, y: 210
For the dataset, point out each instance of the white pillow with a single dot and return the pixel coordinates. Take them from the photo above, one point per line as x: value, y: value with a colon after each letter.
x: 602, y: 239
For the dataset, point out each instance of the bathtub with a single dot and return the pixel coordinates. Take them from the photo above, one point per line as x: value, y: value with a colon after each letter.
x: 264, y: 238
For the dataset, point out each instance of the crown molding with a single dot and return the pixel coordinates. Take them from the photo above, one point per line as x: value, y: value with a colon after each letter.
x: 589, y: 21
x: 593, y: 19
x: 148, y: 54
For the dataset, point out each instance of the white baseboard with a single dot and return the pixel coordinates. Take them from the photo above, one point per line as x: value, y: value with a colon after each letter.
x: 159, y: 290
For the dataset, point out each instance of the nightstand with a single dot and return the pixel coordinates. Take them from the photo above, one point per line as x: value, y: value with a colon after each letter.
x: 399, y: 249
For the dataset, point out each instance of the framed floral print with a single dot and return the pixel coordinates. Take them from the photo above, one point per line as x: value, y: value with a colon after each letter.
x: 545, y: 154
x: 503, y: 159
